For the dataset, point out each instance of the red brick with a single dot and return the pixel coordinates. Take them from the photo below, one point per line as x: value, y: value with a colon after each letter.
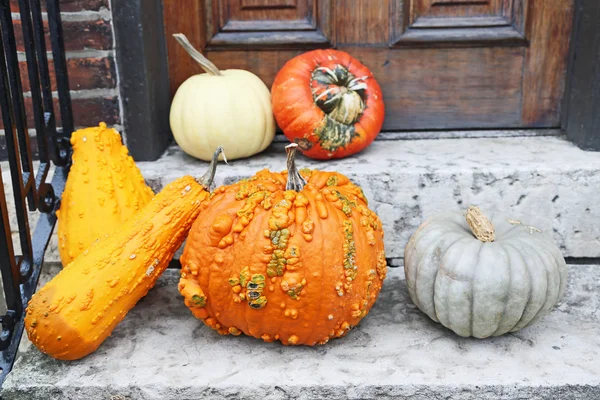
x: 70, y: 5
x: 78, y: 35
x: 86, y: 112
x: 84, y: 73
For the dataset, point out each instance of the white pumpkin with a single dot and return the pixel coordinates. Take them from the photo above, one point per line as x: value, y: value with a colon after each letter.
x: 481, y: 277
x: 229, y: 108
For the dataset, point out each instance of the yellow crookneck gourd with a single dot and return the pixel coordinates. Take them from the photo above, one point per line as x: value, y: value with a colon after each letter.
x: 78, y: 309
x: 103, y: 190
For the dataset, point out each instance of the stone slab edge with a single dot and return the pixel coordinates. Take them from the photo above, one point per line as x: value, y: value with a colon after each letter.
x: 546, y: 181
x: 395, y: 352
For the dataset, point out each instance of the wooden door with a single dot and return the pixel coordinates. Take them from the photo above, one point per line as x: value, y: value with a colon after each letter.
x: 442, y: 64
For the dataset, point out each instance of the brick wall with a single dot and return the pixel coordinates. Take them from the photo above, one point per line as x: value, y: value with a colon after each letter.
x: 89, y: 44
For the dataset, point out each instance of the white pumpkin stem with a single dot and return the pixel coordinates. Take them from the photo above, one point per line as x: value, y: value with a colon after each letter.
x: 207, y: 179
x: 295, y: 181
x: 480, y: 225
x: 204, y: 62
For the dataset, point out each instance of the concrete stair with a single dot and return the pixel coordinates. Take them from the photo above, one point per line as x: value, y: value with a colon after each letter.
x: 545, y: 181
x: 160, y: 351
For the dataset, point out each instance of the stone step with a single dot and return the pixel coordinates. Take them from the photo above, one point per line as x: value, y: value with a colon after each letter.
x: 546, y: 181
x: 161, y: 352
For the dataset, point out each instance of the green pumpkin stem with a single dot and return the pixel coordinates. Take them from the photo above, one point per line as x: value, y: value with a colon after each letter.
x: 207, y: 179
x: 481, y: 227
x: 295, y: 181
x: 204, y: 62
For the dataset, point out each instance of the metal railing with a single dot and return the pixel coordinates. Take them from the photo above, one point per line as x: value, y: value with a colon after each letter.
x: 31, y: 189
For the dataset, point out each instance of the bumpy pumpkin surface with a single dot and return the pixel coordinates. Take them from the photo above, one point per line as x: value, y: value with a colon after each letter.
x: 481, y: 277
x: 78, y: 309
x: 103, y: 190
x: 301, y: 265
x: 328, y: 102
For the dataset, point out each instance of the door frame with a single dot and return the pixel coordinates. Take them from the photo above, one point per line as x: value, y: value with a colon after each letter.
x: 142, y: 66
x: 581, y: 102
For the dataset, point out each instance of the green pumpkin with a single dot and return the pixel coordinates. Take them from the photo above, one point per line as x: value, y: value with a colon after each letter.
x: 481, y: 277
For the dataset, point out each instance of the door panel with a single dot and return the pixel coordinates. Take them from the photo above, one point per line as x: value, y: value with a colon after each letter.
x: 440, y: 23
x: 454, y: 8
x: 364, y: 24
x: 442, y: 64
x: 469, y: 88
x: 279, y: 14
x: 260, y: 24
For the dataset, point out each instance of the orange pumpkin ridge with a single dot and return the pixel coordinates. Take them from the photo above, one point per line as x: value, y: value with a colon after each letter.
x: 301, y: 266
x: 327, y: 102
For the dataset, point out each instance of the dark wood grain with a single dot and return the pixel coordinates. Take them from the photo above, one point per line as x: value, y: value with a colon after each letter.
x: 273, y: 40
x: 185, y: 17
x: 455, y: 37
x: 364, y: 23
x: 546, y: 62
x: 264, y: 10
x: 250, y: 4
x: 453, y: 8
x: 432, y: 23
x: 460, y: 2
x: 424, y: 88
x: 262, y: 24
x: 517, y: 12
x: 461, y: 65
x: 461, y: 22
x: 269, y: 25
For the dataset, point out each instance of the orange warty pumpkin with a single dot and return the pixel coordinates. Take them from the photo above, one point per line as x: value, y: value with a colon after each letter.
x: 293, y: 257
x: 327, y: 102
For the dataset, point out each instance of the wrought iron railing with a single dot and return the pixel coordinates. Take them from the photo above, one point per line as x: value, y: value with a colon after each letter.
x: 31, y: 189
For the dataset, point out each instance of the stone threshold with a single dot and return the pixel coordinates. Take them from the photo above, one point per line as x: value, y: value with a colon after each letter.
x: 160, y: 351
x: 547, y: 182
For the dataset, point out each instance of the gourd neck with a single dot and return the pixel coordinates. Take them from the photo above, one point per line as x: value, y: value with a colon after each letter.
x: 207, y: 179
x: 204, y: 62
x: 481, y: 227
x: 295, y: 181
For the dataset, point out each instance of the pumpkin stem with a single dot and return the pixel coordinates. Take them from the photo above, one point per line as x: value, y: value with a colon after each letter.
x: 204, y: 62
x: 295, y: 181
x: 480, y: 225
x: 207, y: 179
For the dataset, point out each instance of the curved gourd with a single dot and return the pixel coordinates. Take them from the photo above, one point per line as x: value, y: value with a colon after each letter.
x: 103, y: 190
x: 78, y: 309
